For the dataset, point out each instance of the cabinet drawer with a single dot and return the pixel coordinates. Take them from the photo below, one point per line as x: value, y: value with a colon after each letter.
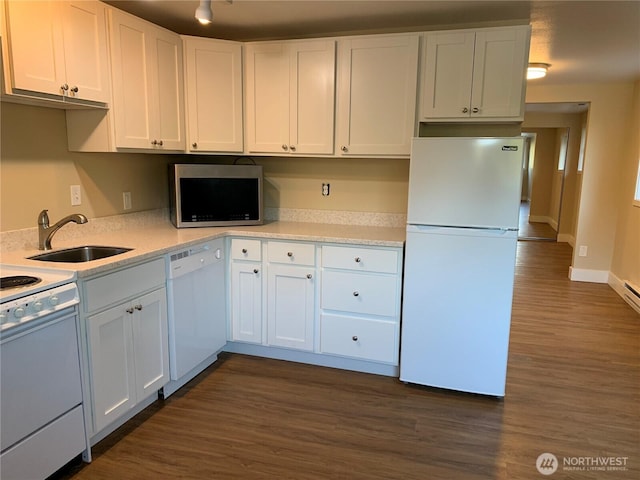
x: 360, y: 338
x: 118, y: 286
x: 360, y: 259
x: 360, y: 293
x: 292, y: 253
x: 246, y: 249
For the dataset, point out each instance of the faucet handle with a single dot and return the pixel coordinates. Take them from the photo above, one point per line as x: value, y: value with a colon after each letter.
x: 43, y: 218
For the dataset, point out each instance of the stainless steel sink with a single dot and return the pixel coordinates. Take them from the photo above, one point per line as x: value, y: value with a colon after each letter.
x: 80, y: 254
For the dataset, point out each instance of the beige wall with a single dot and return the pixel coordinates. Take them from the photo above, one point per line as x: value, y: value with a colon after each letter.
x: 36, y: 171
x: 626, y: 257
x: 542, y: 174
x: 607, y: 132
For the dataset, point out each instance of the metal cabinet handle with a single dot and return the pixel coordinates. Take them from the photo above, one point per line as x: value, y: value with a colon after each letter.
x: 64, y: 87
x: 194, y: 145
x: 154, y: 142
x: 244, y: 250
x: 292, y: 148
x: 354, y: 338
x: 289, y: 254
x: 356, y: 294
x: 74, y: 89
x: 309, y: 276
x: 475, y: 110
x: 138, y: 307
x: 160, y: 142
x: 357, y: 259
x: 255, y: 270
x: 344, y: 148
x: 465, y: 110
x: 129, y: 311
x: 285, y: 147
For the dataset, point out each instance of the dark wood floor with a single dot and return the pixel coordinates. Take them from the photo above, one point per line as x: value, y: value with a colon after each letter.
x: 573, y: 389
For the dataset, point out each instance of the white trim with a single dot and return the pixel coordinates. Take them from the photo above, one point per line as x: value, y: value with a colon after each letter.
x: 567, y: 238
x: 586, y: 275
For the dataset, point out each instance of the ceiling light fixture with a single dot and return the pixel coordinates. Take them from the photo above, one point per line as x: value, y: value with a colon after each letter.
x: 204, y: 13
x: 537, y: 70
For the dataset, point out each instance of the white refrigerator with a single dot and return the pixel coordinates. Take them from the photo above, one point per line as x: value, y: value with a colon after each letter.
x: 462, y: 231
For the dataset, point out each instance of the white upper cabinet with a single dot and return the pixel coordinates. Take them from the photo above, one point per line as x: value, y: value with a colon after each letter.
x: 476, y: 75
x: 290, y: 93
x: 376, y: 101
x: 58, y: 48
x: 213, y: 70
x: 148, y: 84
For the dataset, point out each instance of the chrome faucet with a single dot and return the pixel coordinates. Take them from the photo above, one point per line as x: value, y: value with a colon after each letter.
x: 45, y: 232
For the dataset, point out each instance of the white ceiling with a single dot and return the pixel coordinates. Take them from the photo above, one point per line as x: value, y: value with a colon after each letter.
x: 585, y: 41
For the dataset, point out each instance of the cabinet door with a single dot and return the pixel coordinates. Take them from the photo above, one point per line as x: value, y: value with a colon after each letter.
x: 377, y: 84
x: 132, y: 96
x: 37, y: 60
x: 312, y: 97
x: 84, y: 32
x: 267, y: 110
x: 167, y: 89
x: 447, y: 75
x: 150, y: 343
x: 112, y: 365
x: 500, y: 63
x: 246, y: 302
x: 290, y: 306
x: 214, y: 95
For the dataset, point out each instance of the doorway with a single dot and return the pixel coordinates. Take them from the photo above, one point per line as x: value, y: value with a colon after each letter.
x: 542, y: 182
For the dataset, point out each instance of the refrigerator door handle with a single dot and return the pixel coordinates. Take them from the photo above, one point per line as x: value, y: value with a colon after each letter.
x: 444, y: 230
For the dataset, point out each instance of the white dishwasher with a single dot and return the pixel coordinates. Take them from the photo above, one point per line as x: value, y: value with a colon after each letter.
x: 197, y: 312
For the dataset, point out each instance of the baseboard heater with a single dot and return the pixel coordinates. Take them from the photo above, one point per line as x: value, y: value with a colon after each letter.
x: 632, y: 295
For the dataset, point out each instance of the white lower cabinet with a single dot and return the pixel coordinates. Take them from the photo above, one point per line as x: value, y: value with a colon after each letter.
x: 246, y: 290
x: 291, y: 295
x: 319, y: 303
x: 127, y: 344
x: 360, y: 302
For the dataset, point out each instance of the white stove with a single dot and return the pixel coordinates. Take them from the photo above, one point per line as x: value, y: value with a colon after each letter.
x: 28, y: 294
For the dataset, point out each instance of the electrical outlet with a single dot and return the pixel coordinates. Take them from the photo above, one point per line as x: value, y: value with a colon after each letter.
x: 76, y: 196
x: 326, y: 189
x: 582, y: 251
x: 126, y: 200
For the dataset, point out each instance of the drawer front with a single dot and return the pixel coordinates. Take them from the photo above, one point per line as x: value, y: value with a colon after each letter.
x: 118, y: 286
x: 246, y: 249
x: 359, y: 338
x: 292, y: 253
x: 360, y: 293
x: 360, y: 259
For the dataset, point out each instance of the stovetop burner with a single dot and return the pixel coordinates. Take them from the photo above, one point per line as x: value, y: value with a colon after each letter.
x: 18, y: 281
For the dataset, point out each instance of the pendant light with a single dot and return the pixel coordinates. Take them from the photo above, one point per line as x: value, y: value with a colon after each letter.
x: 204, y: 13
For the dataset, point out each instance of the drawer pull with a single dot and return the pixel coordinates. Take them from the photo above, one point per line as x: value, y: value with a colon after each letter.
x: 129, y: 311
x: 356, y: 294
x: 138, y: 307
x: 358, y: 259
x: 309, y: 276
x: 255, y: 270
x: 354, y: 338
x: 244, y: 250
x: 289, y: 254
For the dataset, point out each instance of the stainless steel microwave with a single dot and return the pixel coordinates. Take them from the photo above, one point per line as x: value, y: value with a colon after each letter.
x: 204, y: 195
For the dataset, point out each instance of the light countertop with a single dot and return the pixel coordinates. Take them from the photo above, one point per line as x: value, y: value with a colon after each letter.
x: 154, y: 240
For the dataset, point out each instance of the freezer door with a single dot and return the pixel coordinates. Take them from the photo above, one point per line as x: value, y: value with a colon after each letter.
x: 473, y: 182
x: 456, y: 313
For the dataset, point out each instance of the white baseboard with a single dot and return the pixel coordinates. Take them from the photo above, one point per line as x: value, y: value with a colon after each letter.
x: 586, y: 275
x: 567, y: 238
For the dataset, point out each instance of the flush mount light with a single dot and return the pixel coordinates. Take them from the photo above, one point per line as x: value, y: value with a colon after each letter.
x: 537, y: 70
x: 204, y: 13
